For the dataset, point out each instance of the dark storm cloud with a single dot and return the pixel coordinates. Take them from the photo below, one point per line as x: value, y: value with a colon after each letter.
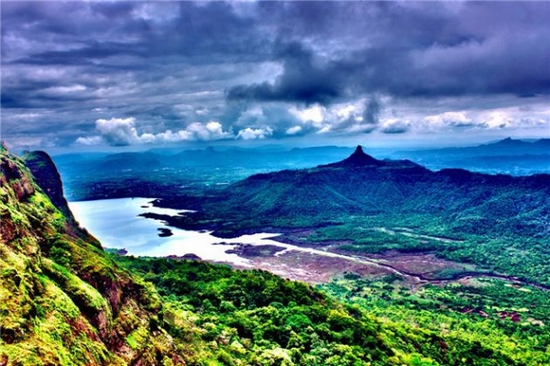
x: 396, y: 128
x: 372, y: 111
x: 247, y: 64
x: 418, y: 50
x: 301, y: 80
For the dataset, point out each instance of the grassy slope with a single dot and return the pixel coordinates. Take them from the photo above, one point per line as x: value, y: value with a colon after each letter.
x: 501, y: 222
x: 255, y: 318
x: 62, y: 300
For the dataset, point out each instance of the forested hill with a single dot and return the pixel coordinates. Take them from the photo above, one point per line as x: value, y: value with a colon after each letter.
x: 64, y: 301
x: 463, y: 201
x: 365, y: 205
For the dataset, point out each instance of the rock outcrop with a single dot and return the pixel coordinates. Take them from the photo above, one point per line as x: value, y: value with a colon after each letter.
x: 62, y: 299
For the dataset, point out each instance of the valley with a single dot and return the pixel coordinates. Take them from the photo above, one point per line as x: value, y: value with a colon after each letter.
x: 443, y: 226
x: 314, y: 281
x: 288, y: 255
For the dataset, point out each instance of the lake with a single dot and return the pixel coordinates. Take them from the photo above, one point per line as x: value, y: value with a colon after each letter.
x: 117, y: 224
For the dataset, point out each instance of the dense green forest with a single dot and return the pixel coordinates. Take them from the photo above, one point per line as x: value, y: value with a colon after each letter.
x: 65, y: 301
x: 253, y: 317
x: 365, y: 205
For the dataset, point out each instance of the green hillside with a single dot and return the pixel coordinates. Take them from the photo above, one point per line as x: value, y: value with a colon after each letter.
x: 498, y: 222
x: 64, y: 301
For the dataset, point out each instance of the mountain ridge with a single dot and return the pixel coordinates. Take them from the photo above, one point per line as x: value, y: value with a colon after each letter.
x: 357, y: 158
x: 62, y: 299
x: 347, y: 199
x: 511, y: 146
x: 401, y: 172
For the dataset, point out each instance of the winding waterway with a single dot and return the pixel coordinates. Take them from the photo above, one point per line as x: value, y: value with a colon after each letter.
x: 118, y: 225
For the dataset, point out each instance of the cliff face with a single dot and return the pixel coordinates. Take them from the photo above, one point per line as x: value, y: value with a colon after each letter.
x: 62, y: 299
x: 47, y: 177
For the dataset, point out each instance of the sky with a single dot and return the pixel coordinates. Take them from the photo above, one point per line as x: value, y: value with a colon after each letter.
x: 142, y: 74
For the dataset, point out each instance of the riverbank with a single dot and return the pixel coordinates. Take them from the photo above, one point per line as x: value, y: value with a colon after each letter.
x: 141, y: 229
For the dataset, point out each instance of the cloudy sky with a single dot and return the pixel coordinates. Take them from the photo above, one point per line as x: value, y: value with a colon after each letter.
x: 85, y: 74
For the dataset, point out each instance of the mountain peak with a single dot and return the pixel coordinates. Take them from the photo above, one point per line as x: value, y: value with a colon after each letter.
x: 359, y: 150
x: 360, y: 158
x: 510, y: 142
x: 47, y: 177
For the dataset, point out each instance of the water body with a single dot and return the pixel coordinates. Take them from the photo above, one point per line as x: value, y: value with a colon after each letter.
x: 117, y: 224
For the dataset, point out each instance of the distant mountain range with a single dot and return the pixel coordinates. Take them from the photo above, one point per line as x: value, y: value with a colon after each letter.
x: 505, y: 147
x: 508, y: 156
x: 100, y: 175
x: 294, y: 158
x: 363, y: 185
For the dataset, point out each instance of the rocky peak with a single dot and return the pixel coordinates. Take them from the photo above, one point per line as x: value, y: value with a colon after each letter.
x: 47, y: 177
x: 359, y: 158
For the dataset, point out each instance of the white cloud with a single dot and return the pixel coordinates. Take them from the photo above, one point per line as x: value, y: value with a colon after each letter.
x: 122, y: 132
x: 118, y: 131
x: 254, y: 133
x: 496, y: 119
x: 341, y: 118
x: 169, y: 136
x: 490, y: 119
x: 195, y: 131
x: 89, y: 141
x: 294, y: 130
x: 345, y: 111
x: 452, y: 118
x: 395, y: 126
x: 314, y: 114
x: 211, y: 131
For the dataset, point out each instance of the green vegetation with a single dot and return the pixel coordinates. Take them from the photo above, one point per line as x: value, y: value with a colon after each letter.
x: 64, y: 301
x: 363, y: 205
x: 518, y: 255
x: 223, y: 316
x: 509, y: 318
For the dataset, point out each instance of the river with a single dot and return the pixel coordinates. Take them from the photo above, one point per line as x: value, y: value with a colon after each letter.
x: 118, y: 225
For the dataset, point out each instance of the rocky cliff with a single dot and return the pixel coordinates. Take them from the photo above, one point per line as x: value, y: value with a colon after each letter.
x: 62, y: 299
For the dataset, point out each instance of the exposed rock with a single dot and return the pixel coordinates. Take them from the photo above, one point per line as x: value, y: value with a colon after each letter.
x: 62, y: 299
x: 359, y: 158
x: 47, y: 177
